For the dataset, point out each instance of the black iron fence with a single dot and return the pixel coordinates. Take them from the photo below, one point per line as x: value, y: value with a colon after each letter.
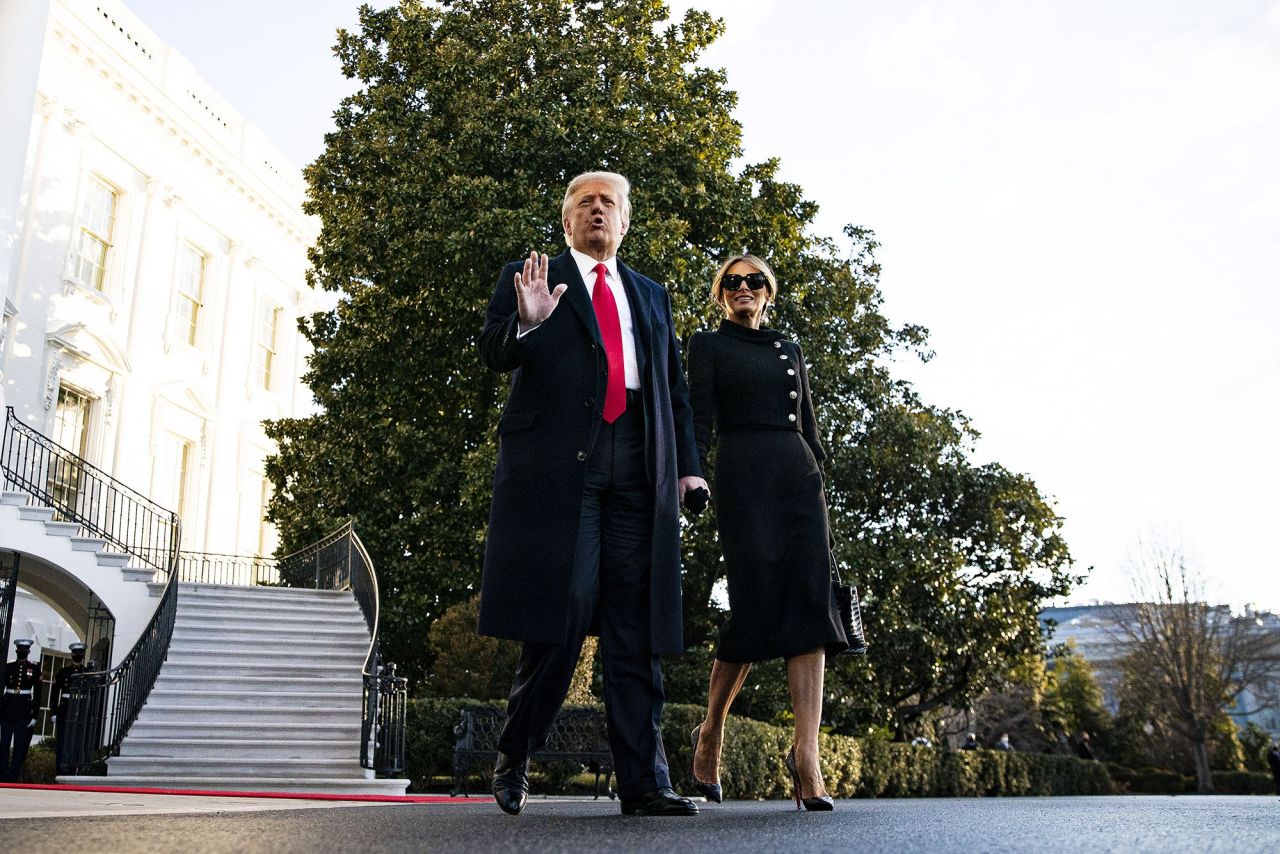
x: 102, y: 705
x: 340, y: 562
x: 238, y: 570
x: 80, y: 492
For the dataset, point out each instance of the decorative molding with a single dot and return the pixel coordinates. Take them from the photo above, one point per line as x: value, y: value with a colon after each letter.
x: 236, y: 172
x: 70, y: 123
x: 51, y: 378
x: 109, y: 401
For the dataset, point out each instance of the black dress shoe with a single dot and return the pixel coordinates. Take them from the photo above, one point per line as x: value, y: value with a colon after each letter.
x: 658, y: 802
x: 511, y: 784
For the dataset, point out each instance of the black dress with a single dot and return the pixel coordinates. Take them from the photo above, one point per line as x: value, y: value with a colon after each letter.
x: 750, y: 393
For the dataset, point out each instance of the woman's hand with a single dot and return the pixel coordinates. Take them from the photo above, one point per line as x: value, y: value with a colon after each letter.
x: 534, y: 302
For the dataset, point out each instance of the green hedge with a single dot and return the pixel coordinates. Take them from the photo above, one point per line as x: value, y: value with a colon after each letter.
x: 1243, y: 783
x: 751, y: 761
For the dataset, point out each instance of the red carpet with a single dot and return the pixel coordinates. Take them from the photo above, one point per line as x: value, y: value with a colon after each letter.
x: 306, y: 796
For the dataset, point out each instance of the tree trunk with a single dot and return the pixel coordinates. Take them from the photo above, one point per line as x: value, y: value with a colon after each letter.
x: 1204, y: 777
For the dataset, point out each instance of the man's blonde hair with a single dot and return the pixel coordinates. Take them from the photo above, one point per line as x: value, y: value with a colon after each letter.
x: 620, y: 185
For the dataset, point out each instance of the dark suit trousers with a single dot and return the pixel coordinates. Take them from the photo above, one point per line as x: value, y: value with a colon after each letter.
x: 611, y: 581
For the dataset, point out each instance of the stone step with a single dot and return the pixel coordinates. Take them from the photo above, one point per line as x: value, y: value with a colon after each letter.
x: 143, y: 574
x: 13, y: 498
x: 246, y: 636
x: 275, y: 617
x: 192, y: 650
x: 62, y: 529
x: 338, y: 683
x: 241, y: 699
x: 88, y: 544
x: 353, y: 785
x: 160, y: 711
x: 257, y: 593
x: 247, y: 749
x: 167, y: 767
x: 200, y: 730
x: 36, y: 514
x: 330, y: 669
x: 116, y: 560
x: 206, y: 605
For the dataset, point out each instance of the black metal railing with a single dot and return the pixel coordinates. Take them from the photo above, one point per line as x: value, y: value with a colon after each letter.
x: 236, y: 570
x: 104, y: 704
x: 340, y: 562
x: 80, y: 492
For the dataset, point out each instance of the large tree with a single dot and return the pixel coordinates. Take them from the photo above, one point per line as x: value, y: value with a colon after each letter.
x: 449, y: 160
x: 1188, y: 660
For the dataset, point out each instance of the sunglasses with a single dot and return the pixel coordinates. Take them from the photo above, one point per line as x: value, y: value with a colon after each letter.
x: 733, y: 281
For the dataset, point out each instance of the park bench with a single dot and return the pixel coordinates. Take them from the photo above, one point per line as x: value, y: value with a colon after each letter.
x: 578, y: 735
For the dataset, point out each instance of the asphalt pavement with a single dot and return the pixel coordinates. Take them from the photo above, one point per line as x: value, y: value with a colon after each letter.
x: 1077, y: 824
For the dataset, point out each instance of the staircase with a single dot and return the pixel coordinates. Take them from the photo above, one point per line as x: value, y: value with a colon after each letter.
x: 23, y: 511
x: 261, y: 691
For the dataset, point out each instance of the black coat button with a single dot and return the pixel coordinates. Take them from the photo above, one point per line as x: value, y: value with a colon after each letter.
x: 589, y: 402
x: 582, y: 456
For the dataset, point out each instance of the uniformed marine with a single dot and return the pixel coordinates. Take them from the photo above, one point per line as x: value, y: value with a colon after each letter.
x: 18, y: 708
x: 61, y: 695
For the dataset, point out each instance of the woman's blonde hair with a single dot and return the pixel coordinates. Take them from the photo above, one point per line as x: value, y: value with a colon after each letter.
x: 717, y: 296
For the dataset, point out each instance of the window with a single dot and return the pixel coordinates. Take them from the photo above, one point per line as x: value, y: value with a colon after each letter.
x: 70, y: 430
x: 170, y: 473
x: 264, y: 342
x: 186, y: 308
x: 97, y: 220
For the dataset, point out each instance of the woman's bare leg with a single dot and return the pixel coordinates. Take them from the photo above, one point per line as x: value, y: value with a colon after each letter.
x: 804, y: 677
x: 726, y: 681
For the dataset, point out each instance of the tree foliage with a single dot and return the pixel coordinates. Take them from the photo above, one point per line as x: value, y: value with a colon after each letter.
x: 450, y: 160
x: 1189, y: 661
x: 1073, y: 698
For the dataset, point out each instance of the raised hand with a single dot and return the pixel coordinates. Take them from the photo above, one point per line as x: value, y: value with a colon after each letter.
x: 534, y: 300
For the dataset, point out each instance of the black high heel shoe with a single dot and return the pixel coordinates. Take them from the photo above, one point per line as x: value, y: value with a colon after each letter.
x: 818, y: 803
x: 710, y: 791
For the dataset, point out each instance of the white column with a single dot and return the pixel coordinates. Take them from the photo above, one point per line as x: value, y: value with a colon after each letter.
x: 22, y: 36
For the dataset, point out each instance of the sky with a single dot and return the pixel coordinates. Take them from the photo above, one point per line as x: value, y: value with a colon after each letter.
x: 1080, y: 200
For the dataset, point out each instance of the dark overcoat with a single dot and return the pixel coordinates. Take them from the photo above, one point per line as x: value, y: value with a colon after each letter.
x: 551, y: 420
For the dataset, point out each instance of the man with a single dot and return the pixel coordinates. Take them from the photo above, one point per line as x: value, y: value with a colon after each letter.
x: 18, y: 710
x: 1084, y: 749
x: 596, y: 453
x: 60, y: 696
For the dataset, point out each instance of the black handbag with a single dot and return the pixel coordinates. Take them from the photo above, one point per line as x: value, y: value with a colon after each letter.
x: 850, y: 614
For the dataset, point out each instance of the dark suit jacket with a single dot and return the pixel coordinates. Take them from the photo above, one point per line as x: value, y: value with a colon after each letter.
x: 545, y: 435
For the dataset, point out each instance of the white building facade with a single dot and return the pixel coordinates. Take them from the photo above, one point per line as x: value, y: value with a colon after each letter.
x: 152, y: 267
x: 153, y: 257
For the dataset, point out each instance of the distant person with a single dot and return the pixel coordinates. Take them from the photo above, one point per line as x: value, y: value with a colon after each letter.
x: 970, y: 742
x: 1273, y: 759
x: 18, y: 708
x: 1083, y: 748
x: 1062, y: 739
x: 1003, y: 744
x: 60, y: 698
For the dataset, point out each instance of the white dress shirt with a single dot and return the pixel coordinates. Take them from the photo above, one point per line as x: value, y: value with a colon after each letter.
x: 587, y: 267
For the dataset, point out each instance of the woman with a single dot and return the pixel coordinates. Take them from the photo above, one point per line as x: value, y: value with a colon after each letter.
x: 750, y: 392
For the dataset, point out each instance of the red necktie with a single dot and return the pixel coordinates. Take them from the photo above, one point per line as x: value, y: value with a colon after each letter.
x: 615, y: 397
